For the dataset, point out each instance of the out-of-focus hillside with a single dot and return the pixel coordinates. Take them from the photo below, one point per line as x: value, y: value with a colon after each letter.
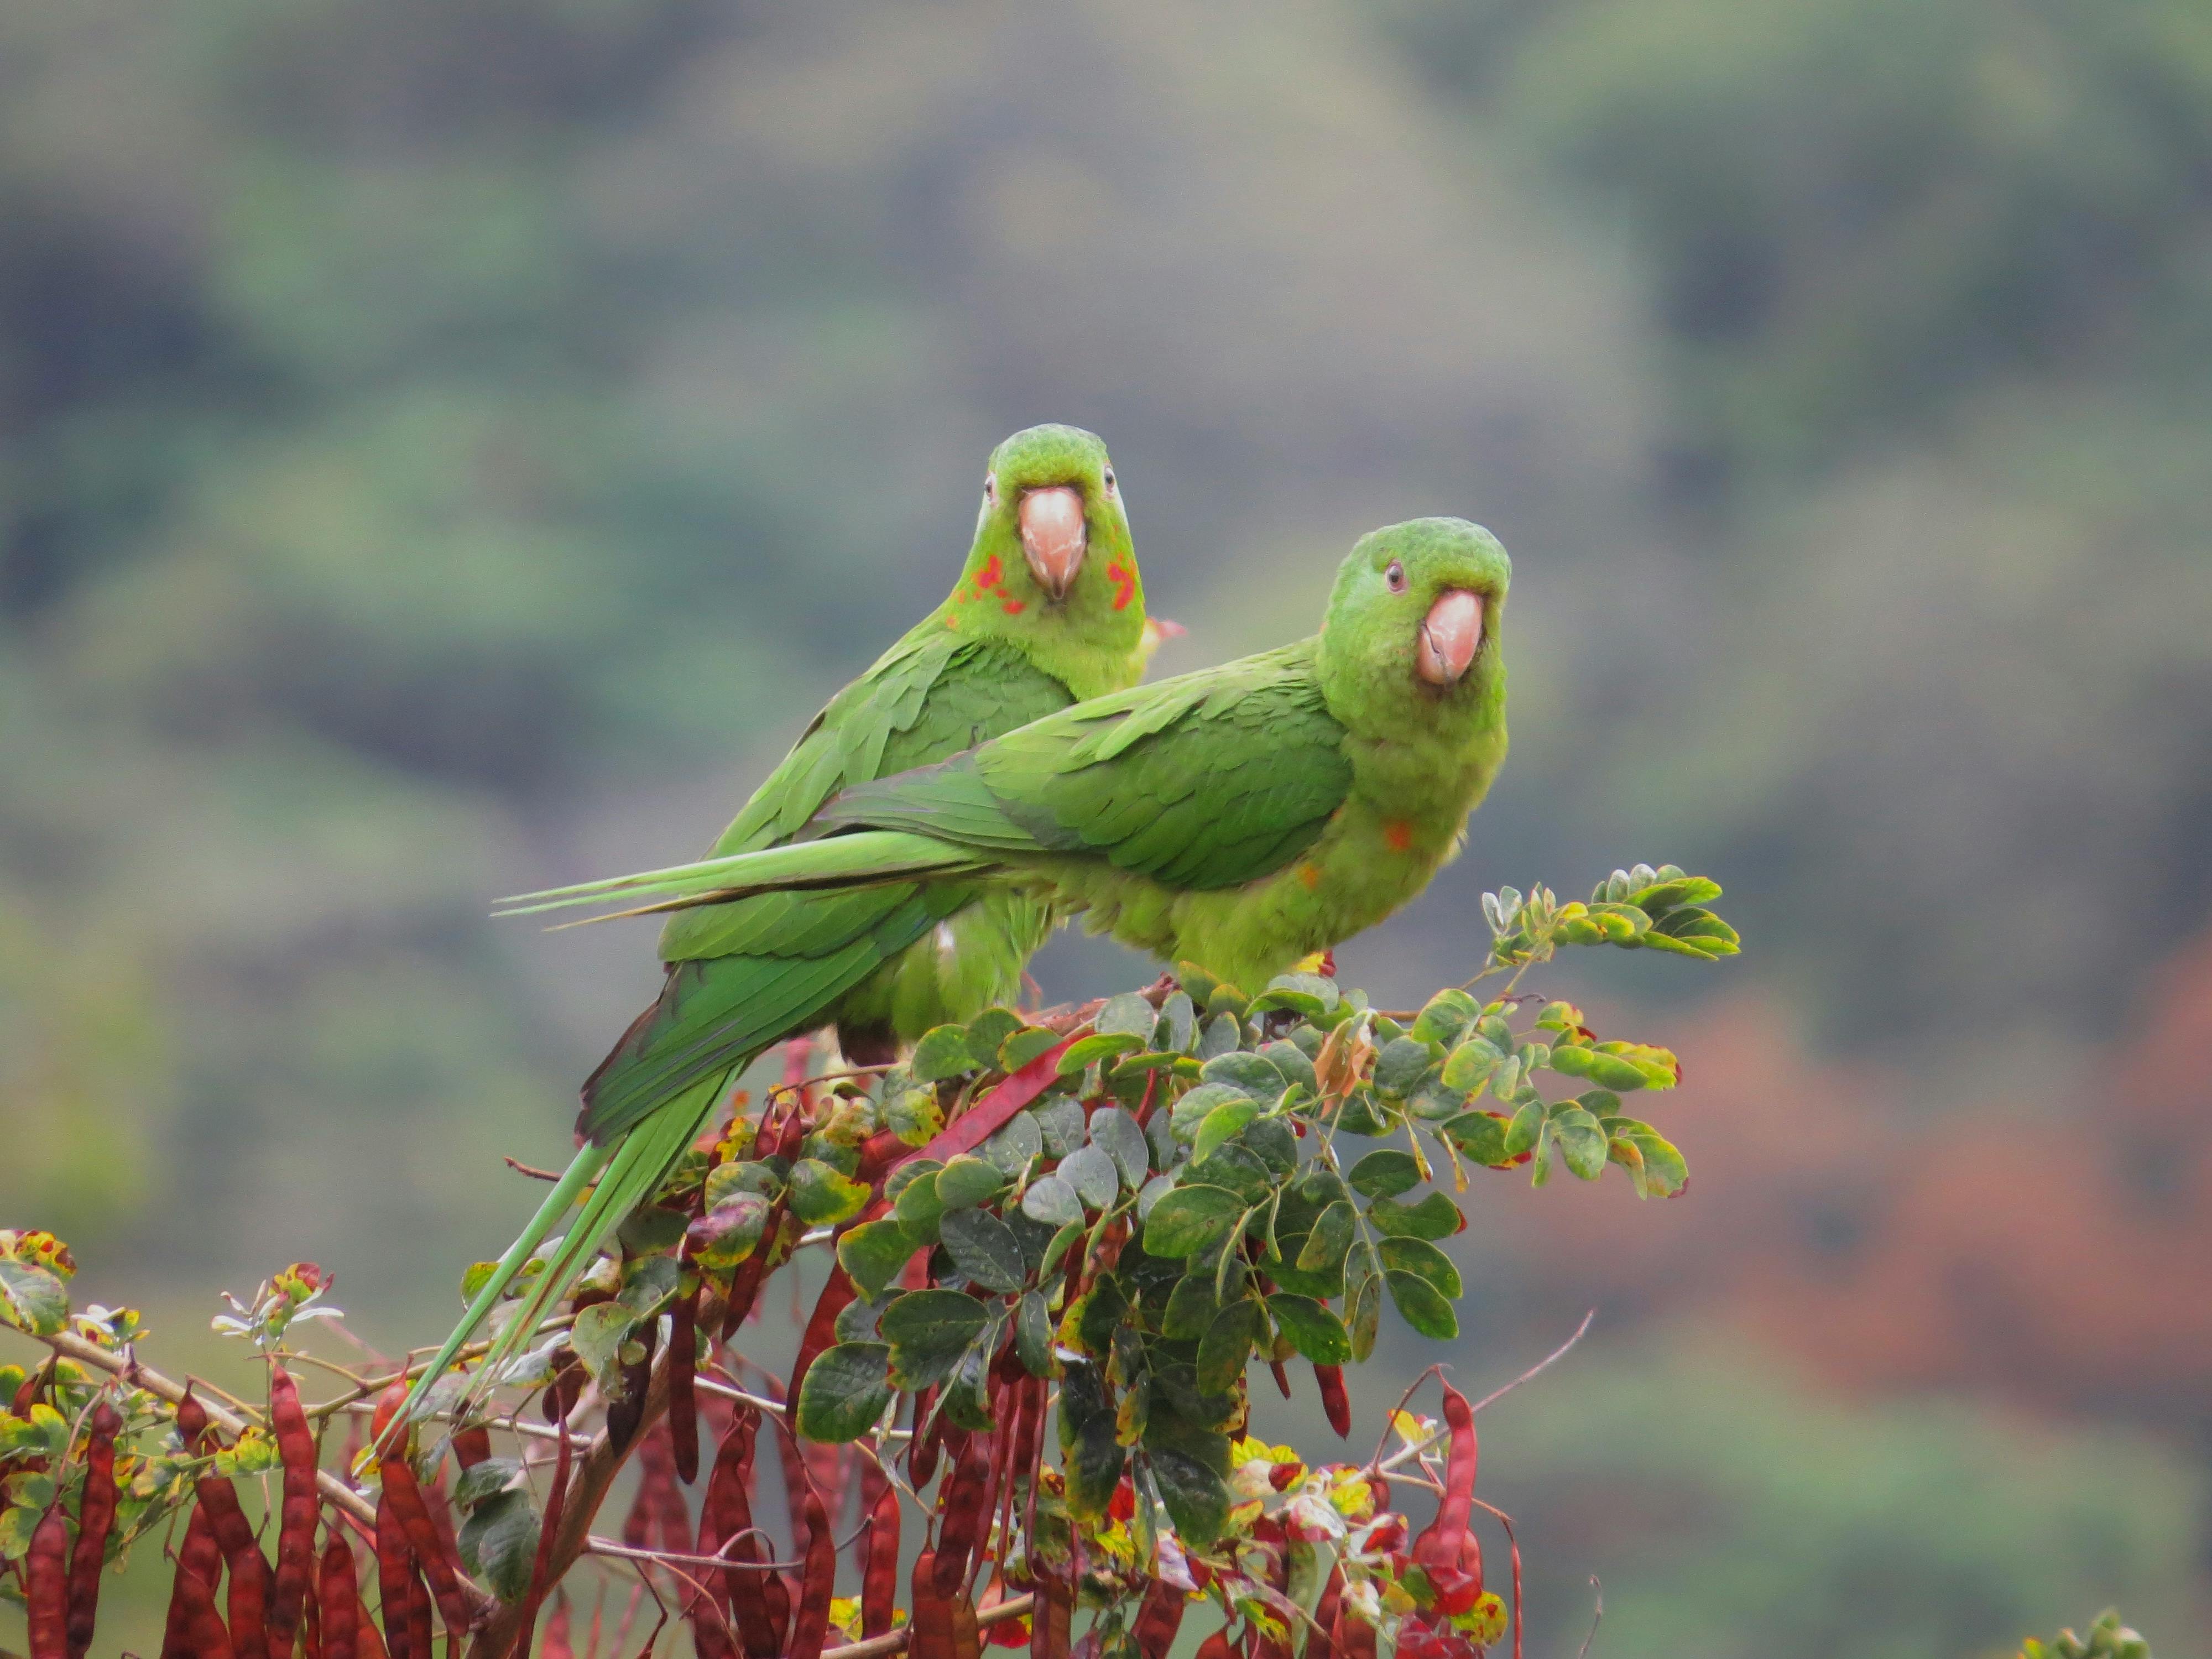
x: 446, y: 448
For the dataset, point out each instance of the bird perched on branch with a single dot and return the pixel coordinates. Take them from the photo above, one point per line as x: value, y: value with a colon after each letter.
x: 1241, y: 818
x: 1049, y: 610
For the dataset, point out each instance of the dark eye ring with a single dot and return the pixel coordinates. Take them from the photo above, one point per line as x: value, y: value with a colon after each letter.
x: 1395, y: 577
x: 990, y: 489
x: 1109, y: 481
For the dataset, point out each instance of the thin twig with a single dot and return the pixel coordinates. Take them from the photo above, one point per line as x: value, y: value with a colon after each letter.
x: 1390, y: 1421
x: 530, y: 1169
x: 1543, y: 1365
x: 71, y: 1346
x: 1597, y: 1617
x: 531, y: 1430
x: 997, y: 1612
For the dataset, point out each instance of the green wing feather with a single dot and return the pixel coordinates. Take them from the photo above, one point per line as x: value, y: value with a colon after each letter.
x: 1206, y: 781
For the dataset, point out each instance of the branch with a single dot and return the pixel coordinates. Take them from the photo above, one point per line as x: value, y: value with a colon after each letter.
x: 73, y: 1347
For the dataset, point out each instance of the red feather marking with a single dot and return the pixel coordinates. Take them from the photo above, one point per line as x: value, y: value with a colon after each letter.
x: 1125, y: 583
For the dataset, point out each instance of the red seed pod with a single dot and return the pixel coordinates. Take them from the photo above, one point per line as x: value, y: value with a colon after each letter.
x: 248, y: 1601
x: 812, y: 1627
x: 683, y: 1398
x: 472, y: 1446
x: 295, y: 1531
x: 1052, y: 1624
x: 880, y: 1563
x: 95, y: 1519
x: 336, y: 1601
x: 933, y: 1636
x: 1351, y: 1636
x: 201, y: 1558
x: 541, y: 1568
x: 1215, y: 1646
x: 1158, y: 1618
x: 311, y: 1630
x: 418, y: 1614
x: 921, y: 1450
x: 967, y: 1635
x: 820, y: 1331
x: 726, y: 1514
x: 1333, y: 1398
x: 192, y: 1421
x: 1318, y: 1640
x: 964, y: 1510
x: 46, y: 1585
x: 395, y: 1571
x: 204, y: 1635
x: 1440, y: 1543
x: 432, y: 1553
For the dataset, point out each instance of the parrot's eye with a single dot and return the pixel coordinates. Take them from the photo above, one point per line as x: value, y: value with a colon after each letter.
x: 1109, y: 481
x: 990, y: 489
x: 1394, y: 577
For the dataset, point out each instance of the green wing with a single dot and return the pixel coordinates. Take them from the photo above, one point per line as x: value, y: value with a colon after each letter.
x: 1204, y: 781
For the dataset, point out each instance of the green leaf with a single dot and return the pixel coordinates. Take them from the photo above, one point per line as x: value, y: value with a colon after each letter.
x: 1189, y: 1219
x: 1446, y: 1015
x: 1415, y: 1255
x: 1191, y: 1306
x: 1384, y: 1174
x: 597, y: 1334
x: 1479, y: 1136
x: 1024, y: 1046
x: 1235, y: 1170
x: 821, y: 1197
x: 1663, y: 897
x: 1247, y: 1073
x: 498, y: 1544
x: 914, y: 1115
x: 1583, y: 1142
x: 1093, y: 1174
x: 986, y: 1032
x: 1033, y: 1334
x: 1190, y: 1466
x: 1363, y: 1317
x: 1315, y: 1332
x: 984, y: 1248
x: 845, y: 1391
x: 1273, y: 1142
x: 1469, y: 1068
x: 1091, y: 1457
x: 1401, y: 1064
x: 1228, y: 1344
x: 1051, y: 1198
x: 1198, y: 1104
x: 872, y: 1254
x: 1178, y: 1024
x: 32, y: 1298
x: 1114, y: 1131
x: 1126, y: 1015
x: 967, y: 1181
x: 1223, y: 1124
x: 1012, y: 1149
x: 729, y: 1232
x: 1057, y: 1247
x: 1434, y: 1217
x: 1331, y: 1237
x: 1059, y: 1121
x: 928, y: 1331
x: 942, y: 1053
x: 1654, y: 1164
x: 966, y: 1398
x: 1099, y: 1046
x: 1522, y: 1131
x: 1421, y: 1305
x: 1292, y: 1064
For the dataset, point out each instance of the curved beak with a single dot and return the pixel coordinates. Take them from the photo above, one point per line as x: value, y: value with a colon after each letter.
x: 1450, y: 635
x: 1054, y: 536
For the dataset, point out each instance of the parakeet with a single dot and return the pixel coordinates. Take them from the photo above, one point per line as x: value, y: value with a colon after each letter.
x: 1048, y: 610
x: 1241, y: 818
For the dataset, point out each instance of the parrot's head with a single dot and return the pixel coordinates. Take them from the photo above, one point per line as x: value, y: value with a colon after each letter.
x: 1413, y: 624
x: 1052, y: 569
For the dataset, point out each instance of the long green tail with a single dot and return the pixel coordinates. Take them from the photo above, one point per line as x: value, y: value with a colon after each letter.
x: 626, y: 1175
x: 849, y: 860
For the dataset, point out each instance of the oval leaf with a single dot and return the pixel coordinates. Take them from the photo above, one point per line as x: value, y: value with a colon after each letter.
x: 1313, y: 1330
x: 845, y: 1392
x: 1189, y: 1219
x: 984, y: 1248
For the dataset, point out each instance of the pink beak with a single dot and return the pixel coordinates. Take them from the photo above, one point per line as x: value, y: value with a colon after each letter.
x: 1054, y: 536
x: 1450, y: 635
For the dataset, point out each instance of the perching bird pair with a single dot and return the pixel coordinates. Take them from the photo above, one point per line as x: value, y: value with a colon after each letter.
x: 998, y: 770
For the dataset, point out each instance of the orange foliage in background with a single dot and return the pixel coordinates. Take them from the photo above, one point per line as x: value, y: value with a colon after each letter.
x: 2052, y: 1253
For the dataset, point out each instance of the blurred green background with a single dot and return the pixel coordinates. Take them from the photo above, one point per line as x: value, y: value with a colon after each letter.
x: 448, y: 446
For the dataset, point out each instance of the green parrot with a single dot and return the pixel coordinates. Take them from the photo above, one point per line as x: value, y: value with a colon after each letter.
x: 1049, y: 610
x: 1242, y: 817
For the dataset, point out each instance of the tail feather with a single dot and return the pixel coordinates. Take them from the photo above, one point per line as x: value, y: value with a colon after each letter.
x: 849, y: 860
x: 628, y: 1178
x: 580, y: 1174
